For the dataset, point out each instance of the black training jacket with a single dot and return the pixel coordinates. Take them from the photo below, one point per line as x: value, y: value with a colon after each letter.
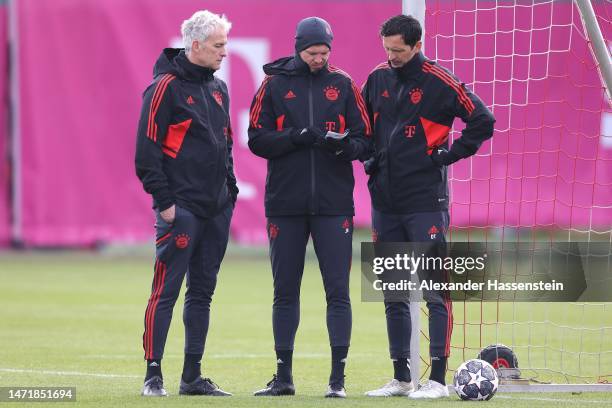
x: 184, y: 142
x: 412, y: 110
x: 307, y: 180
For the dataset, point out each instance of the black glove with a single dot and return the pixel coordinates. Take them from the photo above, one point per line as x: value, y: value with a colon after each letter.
x: 306, y: 136
x: 347, y: 151
x: 370, y: 166
x: 442, y: 157
x: 333, y: 145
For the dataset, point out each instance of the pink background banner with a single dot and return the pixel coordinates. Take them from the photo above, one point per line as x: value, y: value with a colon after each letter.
x: 4, y: 95
x: 80, y: 107
x: 80, y: 95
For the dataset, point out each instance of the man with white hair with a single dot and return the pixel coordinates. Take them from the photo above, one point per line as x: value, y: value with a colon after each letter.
x: 184, y: 160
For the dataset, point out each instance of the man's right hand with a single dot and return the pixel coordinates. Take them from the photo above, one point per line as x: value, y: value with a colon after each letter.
x: 307, y: 136
x: 169, y: 214
x: 370, y: 166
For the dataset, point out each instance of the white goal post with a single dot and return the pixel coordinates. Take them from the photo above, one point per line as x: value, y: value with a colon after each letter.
x: 570, y: 375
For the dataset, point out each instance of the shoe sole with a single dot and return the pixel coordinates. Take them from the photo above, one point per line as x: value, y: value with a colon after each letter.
x: 388, y: 396
x: 274, y: 395
x: 204, y: 395
x: 428, y: 398
x: 284, y: 394
x: 153, y: 396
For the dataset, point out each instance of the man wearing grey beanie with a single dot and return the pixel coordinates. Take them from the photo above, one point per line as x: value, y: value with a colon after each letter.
x: 312, y: 31
x: 309, y: 121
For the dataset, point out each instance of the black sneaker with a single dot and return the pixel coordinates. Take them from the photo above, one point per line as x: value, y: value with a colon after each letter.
x: 335, y: 390
x: 202, y: 386
x: 276, y: 388
x: 154, y: 387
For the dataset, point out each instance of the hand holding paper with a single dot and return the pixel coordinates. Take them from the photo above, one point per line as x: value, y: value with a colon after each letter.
x: 335, y: 136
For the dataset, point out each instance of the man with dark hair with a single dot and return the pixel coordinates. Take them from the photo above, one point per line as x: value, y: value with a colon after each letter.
x: 412, y: 103
x: 300, y: 118
x: 184, y: 160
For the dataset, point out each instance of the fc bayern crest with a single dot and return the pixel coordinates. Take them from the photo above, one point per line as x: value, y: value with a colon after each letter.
x: 182, y: 241
x: 218, y: 97
x: 273, y: 231
x: 331, y: 93
x: 415, y: 95
x: 346, y: 225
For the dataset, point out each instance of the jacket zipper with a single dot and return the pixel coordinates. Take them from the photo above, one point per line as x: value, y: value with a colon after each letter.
x: 214, y: 137
x: 312, y: 158
x: 393, y: 132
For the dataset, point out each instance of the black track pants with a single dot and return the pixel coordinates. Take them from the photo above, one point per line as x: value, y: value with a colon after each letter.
x: 416, y: 227
x: 332, y: 238
x: 191, y: 246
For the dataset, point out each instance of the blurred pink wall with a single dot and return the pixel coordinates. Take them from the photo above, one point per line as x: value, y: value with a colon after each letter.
x: 81, y: 86
x: 81, y: 92
x: 4, y: 164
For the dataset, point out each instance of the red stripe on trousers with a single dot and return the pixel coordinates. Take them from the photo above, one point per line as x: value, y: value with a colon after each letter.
x: 449, y: 308
x: 163, y: 238
x: 448, y: 304
x: 159, y: 292
x: 160, y: 275
x: 152, y: 300
x: 145, y: 336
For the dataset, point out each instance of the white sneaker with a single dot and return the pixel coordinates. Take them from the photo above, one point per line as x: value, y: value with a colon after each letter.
x: 392, y: 388
x: 335, y: 391
x: 430, y: 390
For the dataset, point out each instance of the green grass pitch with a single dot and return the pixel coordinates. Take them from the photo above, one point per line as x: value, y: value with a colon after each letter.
x: 76, y: 319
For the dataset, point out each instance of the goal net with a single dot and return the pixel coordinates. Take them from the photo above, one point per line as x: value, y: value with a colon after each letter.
x: 544, y: 176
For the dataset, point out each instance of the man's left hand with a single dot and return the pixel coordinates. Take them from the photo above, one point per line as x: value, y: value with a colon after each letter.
x: 442, y: 157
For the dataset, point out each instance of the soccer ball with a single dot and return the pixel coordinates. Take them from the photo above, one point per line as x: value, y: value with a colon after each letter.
x: 499, y: 356
x: 475, y: 380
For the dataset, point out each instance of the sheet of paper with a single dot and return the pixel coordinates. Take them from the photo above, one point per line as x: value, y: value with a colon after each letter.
x: 335, y: 135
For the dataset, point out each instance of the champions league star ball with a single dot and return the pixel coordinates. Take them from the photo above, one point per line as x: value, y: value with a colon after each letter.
x: 475, y: 380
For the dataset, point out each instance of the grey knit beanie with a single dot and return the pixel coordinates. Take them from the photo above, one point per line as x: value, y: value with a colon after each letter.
x: 312, y: 31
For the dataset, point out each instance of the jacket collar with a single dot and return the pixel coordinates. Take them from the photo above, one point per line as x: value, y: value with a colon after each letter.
x: 412, y: 68
x: 292, y: 66
x: 304, y: 69
x: 191, y: 71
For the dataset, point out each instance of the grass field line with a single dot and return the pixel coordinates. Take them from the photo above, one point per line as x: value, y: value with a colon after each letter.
x: 234, y: 355
x: 67, y: 373
x: 514, y: 397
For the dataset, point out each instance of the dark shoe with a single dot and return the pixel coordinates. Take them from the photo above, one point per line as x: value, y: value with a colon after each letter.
x: 154, y: 387
x: 202, y: 386
x: 335, y: 390
x: 276, y: 388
